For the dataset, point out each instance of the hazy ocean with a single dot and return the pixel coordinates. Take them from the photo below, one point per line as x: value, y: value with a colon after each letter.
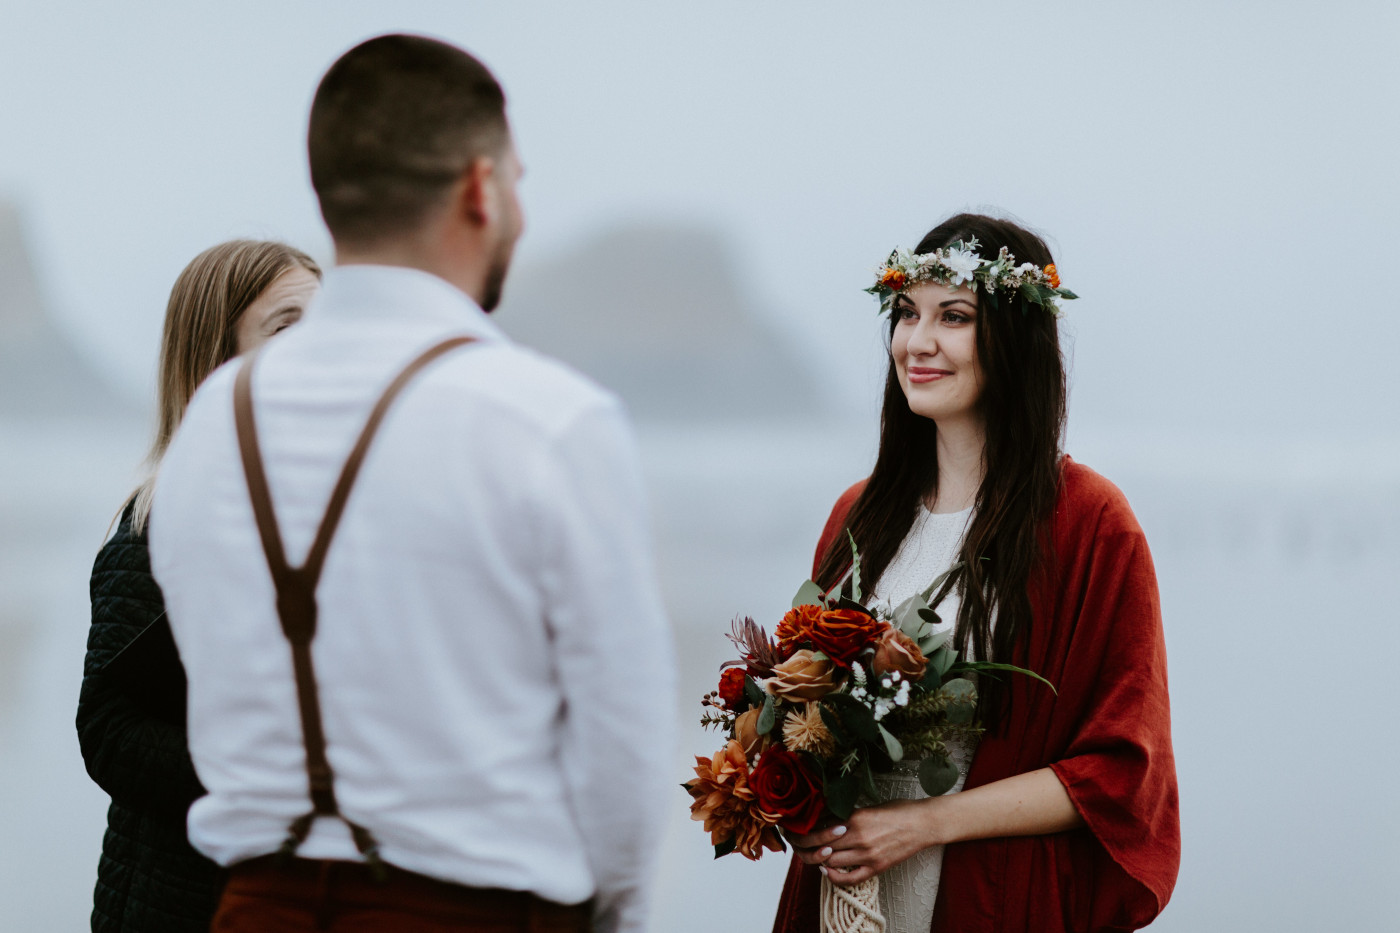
x: 1279, y: 589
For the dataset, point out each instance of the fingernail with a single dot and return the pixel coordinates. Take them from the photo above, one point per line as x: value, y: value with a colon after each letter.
x: 839, y: 831
x: 824, y: 853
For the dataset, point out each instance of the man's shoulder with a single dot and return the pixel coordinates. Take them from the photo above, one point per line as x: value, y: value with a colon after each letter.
x: 527, y: 384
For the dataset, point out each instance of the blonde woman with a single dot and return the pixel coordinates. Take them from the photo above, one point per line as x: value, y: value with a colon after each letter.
x: 131, y: 711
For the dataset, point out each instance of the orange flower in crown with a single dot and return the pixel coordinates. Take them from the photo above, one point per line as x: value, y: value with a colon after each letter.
x: 893, y: 279
x: 1052, y: 275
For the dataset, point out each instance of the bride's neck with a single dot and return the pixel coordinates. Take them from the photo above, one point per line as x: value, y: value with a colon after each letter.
x: 961, y: 450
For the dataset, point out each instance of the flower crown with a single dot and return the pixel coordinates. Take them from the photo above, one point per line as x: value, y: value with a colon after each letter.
x: 959, y: 264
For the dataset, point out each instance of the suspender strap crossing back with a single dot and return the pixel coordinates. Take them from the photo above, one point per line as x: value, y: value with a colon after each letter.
x: 296, y: 586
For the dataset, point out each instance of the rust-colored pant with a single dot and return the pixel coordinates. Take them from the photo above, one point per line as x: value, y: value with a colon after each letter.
x: 304, y: 895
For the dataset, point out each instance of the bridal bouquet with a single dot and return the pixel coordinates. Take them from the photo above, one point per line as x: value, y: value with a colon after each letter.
x: 840, y: 692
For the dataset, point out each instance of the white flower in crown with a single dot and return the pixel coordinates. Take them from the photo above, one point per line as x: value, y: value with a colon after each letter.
x: 962, y: 265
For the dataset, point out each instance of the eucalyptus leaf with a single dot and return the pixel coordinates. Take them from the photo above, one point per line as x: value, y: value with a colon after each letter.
x: 962, y: 700
x: 940, y: 579
x: 867, y: 780
x: 766, y: 716
x: 841, y: 792
x: 752, y: 692
x: 847, y: 603
x: 930, y: 616
x: 724, y: 848
x: 1066, y: 293
x: 960, y: 714
x: 892, y: 745
x: 959, y: 690
x: 808, y: 594
x: 856, y: 717
x: 937, y: 775
x: 943, y: 658
x: 935, y: 642
x: 908, y: 615
x: 833, y: 724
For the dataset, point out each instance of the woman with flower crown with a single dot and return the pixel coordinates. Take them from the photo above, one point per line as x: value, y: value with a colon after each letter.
x: 1064, y: 815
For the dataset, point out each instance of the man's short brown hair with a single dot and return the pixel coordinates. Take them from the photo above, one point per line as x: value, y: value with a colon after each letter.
x: 395, y: 122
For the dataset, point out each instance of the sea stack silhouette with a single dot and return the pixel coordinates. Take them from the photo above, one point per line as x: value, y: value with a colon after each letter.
x: 658, y: 314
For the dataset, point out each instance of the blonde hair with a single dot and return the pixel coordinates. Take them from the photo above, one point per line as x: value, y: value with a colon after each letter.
x: 201, y: 332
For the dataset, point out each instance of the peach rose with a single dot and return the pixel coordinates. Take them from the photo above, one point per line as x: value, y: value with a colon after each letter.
x: 746, y: 734
x: 803, y: 677
x: 896, y: 651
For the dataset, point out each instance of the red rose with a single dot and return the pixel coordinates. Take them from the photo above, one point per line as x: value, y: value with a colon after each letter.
x: 785, y: 786
x: 731, y: 686
x: 841, y: 634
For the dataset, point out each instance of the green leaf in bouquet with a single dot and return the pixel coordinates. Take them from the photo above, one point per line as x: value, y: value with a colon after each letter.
x: 933, y: 641
x: 855, y: 567
x: 962, y: 700
x: 766, y: 716
x: 845, y: 602
x: 841, y: 791
x: 753, y: 692
x: 908, y: 615
x: 990, y: 667
x: 856, y: 717
x: 808, y: 594
x: 939, y: 580
x: 941, y: 661
x: 867, y: 780
x: 937, y: 775
x: 892, y: 744
x: 833, y: 724
x: 724, y: 848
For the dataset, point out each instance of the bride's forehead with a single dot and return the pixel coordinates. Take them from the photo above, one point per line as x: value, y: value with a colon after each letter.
x: 933, y: 294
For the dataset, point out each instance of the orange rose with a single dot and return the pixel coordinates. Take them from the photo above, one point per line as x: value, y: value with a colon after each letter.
x: 803, y: 677
x: 841, y: 634
x: 796, y: 626
x: 896, y: 651
x: 1053, y: 275
x: 893, y: 279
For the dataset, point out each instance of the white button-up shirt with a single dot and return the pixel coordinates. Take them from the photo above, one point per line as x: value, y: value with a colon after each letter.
x: 496, y: 673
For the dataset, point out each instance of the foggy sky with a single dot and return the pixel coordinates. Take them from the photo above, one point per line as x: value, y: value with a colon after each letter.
x: 1217, y: 181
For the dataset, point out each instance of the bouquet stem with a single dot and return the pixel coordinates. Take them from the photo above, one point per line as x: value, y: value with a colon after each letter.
x: 852, y: 909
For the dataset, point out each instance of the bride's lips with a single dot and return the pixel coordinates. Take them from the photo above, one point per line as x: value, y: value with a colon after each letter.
x: 918, y: 374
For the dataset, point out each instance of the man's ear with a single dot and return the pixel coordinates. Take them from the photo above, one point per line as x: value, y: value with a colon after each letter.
x: 476, y: 192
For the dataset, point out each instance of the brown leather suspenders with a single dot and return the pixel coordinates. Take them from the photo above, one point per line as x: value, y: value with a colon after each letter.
x: 296, y: 586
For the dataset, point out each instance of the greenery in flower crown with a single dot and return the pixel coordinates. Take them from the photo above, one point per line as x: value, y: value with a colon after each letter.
x: 959, y: 264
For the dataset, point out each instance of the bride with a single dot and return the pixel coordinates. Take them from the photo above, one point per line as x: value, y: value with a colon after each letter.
x: 1064, y: 816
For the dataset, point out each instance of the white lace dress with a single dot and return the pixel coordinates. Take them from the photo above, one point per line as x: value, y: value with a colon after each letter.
x: 909, y: 889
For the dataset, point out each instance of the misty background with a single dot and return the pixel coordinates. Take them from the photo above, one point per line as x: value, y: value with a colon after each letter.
x: 707, y: 190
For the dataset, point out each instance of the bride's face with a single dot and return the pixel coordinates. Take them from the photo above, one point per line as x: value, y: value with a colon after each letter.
x: 935, y: 350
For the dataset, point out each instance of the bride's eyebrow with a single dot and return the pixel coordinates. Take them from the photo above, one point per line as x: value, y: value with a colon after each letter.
x: 956, y: 301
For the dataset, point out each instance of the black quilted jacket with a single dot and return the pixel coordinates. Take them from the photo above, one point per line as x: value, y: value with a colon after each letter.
x: 133, y: 740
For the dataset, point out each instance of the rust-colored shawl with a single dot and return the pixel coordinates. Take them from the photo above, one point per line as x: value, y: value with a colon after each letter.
x: 1096, y: 635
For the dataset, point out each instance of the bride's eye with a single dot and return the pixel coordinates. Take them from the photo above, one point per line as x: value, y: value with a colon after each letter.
x: 906, y: 313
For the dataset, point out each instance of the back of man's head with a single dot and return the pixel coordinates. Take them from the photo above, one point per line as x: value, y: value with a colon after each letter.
x: 394, y: 123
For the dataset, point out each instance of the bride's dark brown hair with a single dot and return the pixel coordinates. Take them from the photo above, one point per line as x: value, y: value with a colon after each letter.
x: 1023, y: 408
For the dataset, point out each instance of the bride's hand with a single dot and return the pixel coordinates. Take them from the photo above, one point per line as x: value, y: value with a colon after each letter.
x: 871, y: 841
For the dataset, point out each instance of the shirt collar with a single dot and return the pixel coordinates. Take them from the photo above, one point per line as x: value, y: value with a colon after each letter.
x: 386, y: 293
